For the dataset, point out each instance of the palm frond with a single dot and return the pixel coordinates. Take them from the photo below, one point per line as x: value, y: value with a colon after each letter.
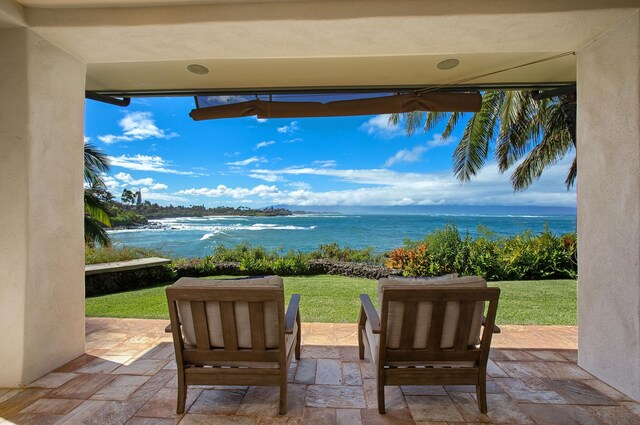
x: 451, y: 124
x: 553, y: 147
x: 95, y: 163
x: 433, y: 119
x: 413, y: 121
x: 473, y: 149
x: 572, y: 174
x: 394, y: 119
x: 96, y: 208
x: 520, y: 128
x: 94, y: 232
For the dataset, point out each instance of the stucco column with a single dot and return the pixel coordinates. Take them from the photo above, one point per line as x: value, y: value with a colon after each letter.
x: 41, y: 205
x: 609, y: 207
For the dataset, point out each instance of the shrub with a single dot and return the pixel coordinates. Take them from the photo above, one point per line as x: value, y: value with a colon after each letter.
x: 128, y: 218
x: 97, y: 255
x: 333, y: 251
x: 524, y: 256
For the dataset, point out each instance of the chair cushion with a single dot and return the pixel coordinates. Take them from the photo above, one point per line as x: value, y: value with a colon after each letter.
x: 423, y: 316
x: 408, y: 280
x: 241, y: 311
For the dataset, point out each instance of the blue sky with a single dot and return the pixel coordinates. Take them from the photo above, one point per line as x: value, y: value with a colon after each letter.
x: 155, y: 146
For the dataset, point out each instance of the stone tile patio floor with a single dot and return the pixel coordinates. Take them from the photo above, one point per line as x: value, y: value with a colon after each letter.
x: 127, y: 376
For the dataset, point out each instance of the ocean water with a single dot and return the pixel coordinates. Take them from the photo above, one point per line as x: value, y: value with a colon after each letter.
x: 198, y: 236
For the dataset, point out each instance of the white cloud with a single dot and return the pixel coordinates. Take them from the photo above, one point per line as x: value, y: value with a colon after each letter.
x: 158, y: 186
x: 386, y: 187
x: 268, y: 177
x: 261, y: 120
x: 235, y: 193
x: 147, y: 163
x: 406, y: 155
x: 155, y: 196
x: 379, y: 126
x: 126, y: 178
x: 137, y: 126
x: 140, y: 101
x: 415, y: 154
x: 265, y: 144
x: 87, y: 139
x: 146, y: 184
x: 329, y: 163
x: 247, y: 161
x: 300, y: 185
x: 437, y: 141
x: 294, y: 140
x: 292, y: 127
x: 110, y: 182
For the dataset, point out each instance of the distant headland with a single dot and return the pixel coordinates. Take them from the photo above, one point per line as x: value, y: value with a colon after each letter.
x: 124, y: 215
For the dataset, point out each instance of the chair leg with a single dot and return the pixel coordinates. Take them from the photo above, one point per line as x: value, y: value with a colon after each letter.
x: 380, y: 385
x: 360, y: 345
x: 182, y: 393
x: 361, y: 323
x: 481, y: 393
x: 298, y: 338
x: 283, y: 399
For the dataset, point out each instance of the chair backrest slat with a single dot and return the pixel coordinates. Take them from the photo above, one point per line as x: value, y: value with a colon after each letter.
x: 228, y: 320
x: 408, y: 325
x: 256, y: 321
x: 465, y: 319
x: 450, y: 329
x: 201, y: 327
x: 437, y: 324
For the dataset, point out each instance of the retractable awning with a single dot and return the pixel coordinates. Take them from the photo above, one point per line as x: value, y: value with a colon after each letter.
x: 302, y: 105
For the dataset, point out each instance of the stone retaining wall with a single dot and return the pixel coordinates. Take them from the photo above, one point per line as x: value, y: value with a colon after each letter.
x: 128, y: 280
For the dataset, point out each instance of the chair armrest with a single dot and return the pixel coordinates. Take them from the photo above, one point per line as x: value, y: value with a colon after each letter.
x: 496, y: 329
x: 292, y: 313
x: 168, y: 329
x: 370, y: 312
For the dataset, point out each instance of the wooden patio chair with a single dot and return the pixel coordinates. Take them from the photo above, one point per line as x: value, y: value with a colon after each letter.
x: 429, y: 333
x: 233, y: 332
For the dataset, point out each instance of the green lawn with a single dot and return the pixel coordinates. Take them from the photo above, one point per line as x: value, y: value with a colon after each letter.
x: 336, y: 299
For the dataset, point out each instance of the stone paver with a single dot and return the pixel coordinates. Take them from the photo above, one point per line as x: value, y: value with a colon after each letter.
x: 128, y: 376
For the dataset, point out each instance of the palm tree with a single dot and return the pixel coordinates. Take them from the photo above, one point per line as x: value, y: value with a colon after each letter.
x: 95, y: 215
x: 541, y: 131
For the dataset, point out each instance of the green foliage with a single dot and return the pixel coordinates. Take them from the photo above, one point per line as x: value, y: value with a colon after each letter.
x: 257, y: 260
x: 109, y: 254
x: 127, y: 218
x: 154, y: 210
x: 333, y: 251
x: 95, y: 214
x: 524, y: 256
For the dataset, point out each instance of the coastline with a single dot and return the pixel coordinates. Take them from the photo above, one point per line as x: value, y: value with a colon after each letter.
x: 191, y: 237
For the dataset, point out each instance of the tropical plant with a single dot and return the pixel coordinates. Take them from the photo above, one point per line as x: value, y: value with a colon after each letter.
x: 512, y: 124
x: 95, y: 210
x: 128, y: 197
x: 523, y: 256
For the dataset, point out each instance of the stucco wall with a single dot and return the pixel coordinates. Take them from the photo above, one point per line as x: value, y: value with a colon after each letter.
x: 41, y: 249
x: 609, y: 207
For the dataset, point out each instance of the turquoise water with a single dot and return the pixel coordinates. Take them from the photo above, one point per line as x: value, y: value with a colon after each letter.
x: 197, y: 236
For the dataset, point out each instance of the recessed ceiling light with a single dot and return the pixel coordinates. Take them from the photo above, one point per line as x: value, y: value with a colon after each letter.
x: 448, y: 64
x: 197, y: 69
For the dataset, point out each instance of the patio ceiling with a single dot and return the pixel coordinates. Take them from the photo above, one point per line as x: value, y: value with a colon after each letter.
x: 147, y: 45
